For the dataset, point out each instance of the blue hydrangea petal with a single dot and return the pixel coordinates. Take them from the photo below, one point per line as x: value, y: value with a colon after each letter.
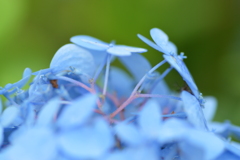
x: 228, y: 155
x: 118, y: 76
x: 47, y: 113
x: 117, y: 155
x: 1, y: 106
x: 159, y: 37
x: 180, y: 66
x: 128, y: 133
x: 71, y: 55
x: 137, y: 64
x: 191, y: 140
x: 104, y: 134
x: 135, y: 153
x: 150, y: 118
x: 199, y: 145
x: 150, y: 43
x: 88, y: 142
x: 89, y: 42
x: 132, y: 49
x: 122, y: 50
x: 27, y: 72
x: 236, y: 145
x: 1, y: 135
x: 34, y: 144
x: 78, y: 112
x: 193, y: 110
x: 210, y: 107
x: 172, y: 48
x: 14, y: 133
x: 118, y: 51
x: 3, y: 156
x: 142, y: 153
x: 9, y: 115
x: 30, y: 116
x: 173, y: 130
x: 63, y: 157
x: 175, y: 62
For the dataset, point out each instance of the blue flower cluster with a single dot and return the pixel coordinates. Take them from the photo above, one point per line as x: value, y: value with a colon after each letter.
x: 81, y: 108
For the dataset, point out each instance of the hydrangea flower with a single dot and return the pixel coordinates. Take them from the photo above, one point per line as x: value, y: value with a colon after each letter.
x: 111, y: 49
x: 96, y: 44
x: 170, y: 55
x: 64, y: 116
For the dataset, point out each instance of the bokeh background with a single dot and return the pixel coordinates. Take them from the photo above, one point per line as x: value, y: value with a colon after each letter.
x: 208, y: 31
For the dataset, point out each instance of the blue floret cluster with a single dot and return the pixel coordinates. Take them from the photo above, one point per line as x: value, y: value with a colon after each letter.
x: 82, y: 108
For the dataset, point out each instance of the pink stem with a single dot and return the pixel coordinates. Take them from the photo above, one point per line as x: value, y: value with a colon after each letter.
x: 127, y: 102
x: 98, y: 111
x: 113, y: 98
x: 76, y: 82
x: 99, y: 104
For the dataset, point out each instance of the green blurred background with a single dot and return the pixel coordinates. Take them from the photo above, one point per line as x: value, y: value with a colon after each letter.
x: 208, y: 31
